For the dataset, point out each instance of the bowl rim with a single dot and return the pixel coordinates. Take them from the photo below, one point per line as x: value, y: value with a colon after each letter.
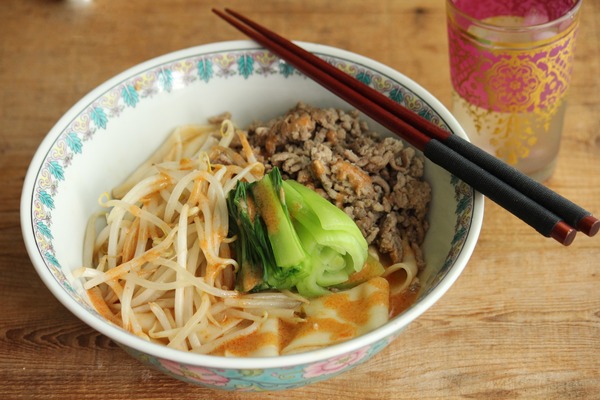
x: 127, y: 339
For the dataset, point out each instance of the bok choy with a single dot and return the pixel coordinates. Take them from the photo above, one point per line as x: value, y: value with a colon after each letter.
x: 288, y: 236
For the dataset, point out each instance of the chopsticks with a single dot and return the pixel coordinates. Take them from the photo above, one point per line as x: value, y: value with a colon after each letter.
x: 543, y: 209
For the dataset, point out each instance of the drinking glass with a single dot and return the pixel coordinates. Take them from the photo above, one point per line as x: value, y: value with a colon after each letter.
x: 510, y: 65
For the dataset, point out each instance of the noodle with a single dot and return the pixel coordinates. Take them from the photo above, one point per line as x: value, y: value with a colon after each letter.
x: 163, y: 260
x: 403, y: 274
x: 161, y: 266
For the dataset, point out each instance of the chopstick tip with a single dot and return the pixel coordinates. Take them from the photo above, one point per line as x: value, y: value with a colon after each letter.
x: 589, y: 225
x: 563, y: 233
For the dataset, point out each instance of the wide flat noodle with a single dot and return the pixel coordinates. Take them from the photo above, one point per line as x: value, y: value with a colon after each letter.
x: 265, y: 342
x: 342, y: 316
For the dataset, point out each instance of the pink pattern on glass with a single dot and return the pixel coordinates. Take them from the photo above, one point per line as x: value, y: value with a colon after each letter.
x: 480, y: 10
x: 502, y: 71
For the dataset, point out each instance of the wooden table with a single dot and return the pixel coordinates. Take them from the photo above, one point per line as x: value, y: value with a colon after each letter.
x: 523, y: 321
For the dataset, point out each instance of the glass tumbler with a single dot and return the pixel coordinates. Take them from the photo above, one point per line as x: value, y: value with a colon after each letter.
x: 510, y: 65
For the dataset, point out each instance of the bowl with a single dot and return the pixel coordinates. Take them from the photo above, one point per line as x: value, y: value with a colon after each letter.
x: 118, y: 124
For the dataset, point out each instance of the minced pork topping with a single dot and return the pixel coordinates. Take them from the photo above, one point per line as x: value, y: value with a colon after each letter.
x: 376, y: 180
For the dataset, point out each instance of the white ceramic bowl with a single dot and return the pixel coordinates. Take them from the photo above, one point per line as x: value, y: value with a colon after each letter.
x: 118, y: 124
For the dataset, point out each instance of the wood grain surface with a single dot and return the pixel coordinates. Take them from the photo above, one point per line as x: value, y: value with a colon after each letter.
x: 522, y: 322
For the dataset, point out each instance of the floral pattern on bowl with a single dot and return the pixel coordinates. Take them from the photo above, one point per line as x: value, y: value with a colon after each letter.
x: 268, y: 379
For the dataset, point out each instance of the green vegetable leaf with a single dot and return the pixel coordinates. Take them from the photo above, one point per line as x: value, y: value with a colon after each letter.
x: 270, y: 202
x: 331, y: 226
x: 290, y: 237
x: 252, y: 244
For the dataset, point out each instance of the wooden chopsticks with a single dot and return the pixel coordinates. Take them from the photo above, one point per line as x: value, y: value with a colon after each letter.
x: 543, y: 209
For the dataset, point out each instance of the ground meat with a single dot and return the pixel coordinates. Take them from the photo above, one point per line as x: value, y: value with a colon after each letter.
x: 376, y: 181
